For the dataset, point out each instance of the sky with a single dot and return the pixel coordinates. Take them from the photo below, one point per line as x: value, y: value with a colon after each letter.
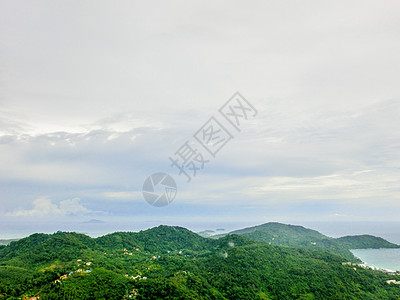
x: 96, y: 96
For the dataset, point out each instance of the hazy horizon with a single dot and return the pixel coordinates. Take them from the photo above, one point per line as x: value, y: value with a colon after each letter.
x: 387, y: 230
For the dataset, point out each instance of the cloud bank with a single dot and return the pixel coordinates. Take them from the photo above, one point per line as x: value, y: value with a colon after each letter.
x: 43, y: 207
x: 96, y: 98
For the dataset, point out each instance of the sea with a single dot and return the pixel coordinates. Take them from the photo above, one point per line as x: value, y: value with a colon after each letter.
x: 388, y: 259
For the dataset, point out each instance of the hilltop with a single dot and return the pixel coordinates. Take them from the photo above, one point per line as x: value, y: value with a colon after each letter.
x: 300, y: 237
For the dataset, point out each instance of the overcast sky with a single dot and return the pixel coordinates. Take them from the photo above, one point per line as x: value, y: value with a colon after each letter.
x: 96, y: 95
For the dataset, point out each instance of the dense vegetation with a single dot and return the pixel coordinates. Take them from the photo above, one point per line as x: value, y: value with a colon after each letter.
x: 175, y: 263
x: 364, y: 242
x: 300, y: 237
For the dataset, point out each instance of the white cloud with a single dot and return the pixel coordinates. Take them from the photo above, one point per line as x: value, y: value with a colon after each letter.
x: 45, y: 207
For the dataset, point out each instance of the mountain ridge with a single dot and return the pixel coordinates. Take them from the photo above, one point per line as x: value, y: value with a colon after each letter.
x: 171, y: 262
x: 301, y: 237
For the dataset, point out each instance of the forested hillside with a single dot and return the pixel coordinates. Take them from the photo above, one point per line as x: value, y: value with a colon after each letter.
x: 175, y: 263
x: 301, y: 237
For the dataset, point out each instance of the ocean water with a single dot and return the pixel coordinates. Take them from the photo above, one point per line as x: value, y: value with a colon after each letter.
x: 380, y: 258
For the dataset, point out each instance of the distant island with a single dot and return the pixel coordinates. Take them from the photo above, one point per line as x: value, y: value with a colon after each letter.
x: 94, y: 221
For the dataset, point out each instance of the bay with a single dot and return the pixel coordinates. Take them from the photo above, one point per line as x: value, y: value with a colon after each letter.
x: 381, y: 258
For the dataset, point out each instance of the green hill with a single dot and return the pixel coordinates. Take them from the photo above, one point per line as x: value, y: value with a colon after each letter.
x: 39, y: 249
x: 365, y: 242
x: 159, y: 238
x: 174, y: 263
x: 304, y: 238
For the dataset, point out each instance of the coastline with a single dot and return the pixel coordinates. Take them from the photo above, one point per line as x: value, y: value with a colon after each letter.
x: 383, y: 259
